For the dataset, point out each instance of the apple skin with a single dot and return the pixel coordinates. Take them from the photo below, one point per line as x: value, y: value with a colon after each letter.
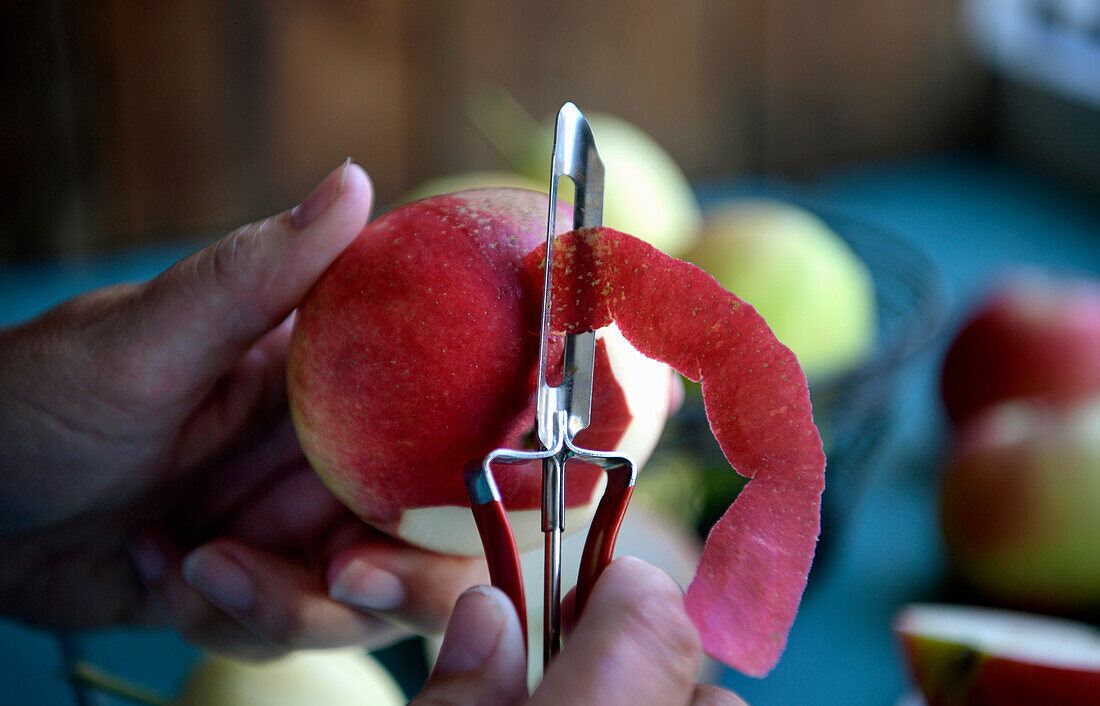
x: 336, y: 677
x: 814, y: 292
x: 415, y: 354
x: 966, y: 656
x: 1020, y: 505
x: 1036, y: 336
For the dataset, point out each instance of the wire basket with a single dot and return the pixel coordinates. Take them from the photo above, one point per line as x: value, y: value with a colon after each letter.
x: 856, y: 411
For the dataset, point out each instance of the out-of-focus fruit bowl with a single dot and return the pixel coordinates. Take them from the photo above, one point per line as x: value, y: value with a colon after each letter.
x: 856, y: 410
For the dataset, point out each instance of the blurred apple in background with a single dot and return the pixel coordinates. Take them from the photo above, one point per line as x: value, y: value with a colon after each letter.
x: 1020, y: 501
x: 963, y: 656
x: 1037, y: 336
x: 464, y: 181
x: 342, y: 677
x: 812, y: 289
x: 646, y: 193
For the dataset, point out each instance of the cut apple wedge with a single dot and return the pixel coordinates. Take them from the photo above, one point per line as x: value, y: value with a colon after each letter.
x: 961, y: 655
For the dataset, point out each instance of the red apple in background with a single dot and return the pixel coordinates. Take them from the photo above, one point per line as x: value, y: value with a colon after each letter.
x: 1020, y: 504
x: 963, y: 656
x: 416, y: 354
x: 1037, y: 336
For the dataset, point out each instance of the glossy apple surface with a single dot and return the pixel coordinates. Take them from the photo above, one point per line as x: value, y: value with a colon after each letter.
x: 1037, y: 336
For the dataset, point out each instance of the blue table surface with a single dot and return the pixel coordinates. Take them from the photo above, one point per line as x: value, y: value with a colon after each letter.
x: 974, y: 218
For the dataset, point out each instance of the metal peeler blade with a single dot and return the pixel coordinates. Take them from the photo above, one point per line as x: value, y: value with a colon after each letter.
x: 562, y: 412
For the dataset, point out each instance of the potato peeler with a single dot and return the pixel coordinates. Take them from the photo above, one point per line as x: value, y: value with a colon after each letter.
x: 562, y: 412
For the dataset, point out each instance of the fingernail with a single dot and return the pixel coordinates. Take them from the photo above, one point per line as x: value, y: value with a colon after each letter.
x: 366, y: 586
x: 149, y: 561
x: 343, y: 176
x: 321, y: 198
x: 473, y: 633
x: 219, y: 578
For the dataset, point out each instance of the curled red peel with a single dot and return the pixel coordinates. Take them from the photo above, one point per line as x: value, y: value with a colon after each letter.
x: 753, y: 571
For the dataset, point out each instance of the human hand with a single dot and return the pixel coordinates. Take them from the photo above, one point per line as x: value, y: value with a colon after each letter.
x: 145, y: 427
x: 635, y: 644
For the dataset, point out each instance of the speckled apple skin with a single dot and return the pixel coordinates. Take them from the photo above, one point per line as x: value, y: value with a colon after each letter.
x: 416, y: 353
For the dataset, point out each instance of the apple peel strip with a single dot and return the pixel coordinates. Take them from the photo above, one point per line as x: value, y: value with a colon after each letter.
x: 757, y: 557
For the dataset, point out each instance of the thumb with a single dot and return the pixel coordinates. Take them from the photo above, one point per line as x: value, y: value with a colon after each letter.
x: 482, y: 659
x: 201, y: 314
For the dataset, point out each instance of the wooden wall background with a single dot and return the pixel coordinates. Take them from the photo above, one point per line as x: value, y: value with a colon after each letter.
x: 127, y: 120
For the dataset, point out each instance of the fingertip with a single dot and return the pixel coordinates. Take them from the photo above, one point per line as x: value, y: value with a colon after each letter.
x: 419, y: 588
x: 362, y: 585
x: 483, y: 657
x: 474, y: 631
x: 348, y: 183
x: 340, y: 204
x: 221, y: 578
x: 628, y: 575
x: 356, y: 182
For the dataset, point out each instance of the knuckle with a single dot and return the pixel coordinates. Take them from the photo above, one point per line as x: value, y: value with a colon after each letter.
x: 284, y: 629
x: 226, y: 260
x: 433, y: 587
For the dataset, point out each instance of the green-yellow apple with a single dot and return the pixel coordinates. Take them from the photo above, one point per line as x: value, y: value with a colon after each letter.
x: 1020, y: 503
x: 645, y: 192
x: 415, y: 354
x: 967, y: 656
x: 814, y: 292
x: 1037, y: 335
x: 465, y: 181
x: 340, y: 677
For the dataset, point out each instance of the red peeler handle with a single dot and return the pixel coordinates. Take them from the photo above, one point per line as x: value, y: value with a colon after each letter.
x: 599, y: 547
x: 497, y: 538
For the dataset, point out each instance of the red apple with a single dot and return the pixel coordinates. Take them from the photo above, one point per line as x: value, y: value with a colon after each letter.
x: 416, y: 353
x: 1038, y: 336
x: 963, y: 656
x: 1021, y: 505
